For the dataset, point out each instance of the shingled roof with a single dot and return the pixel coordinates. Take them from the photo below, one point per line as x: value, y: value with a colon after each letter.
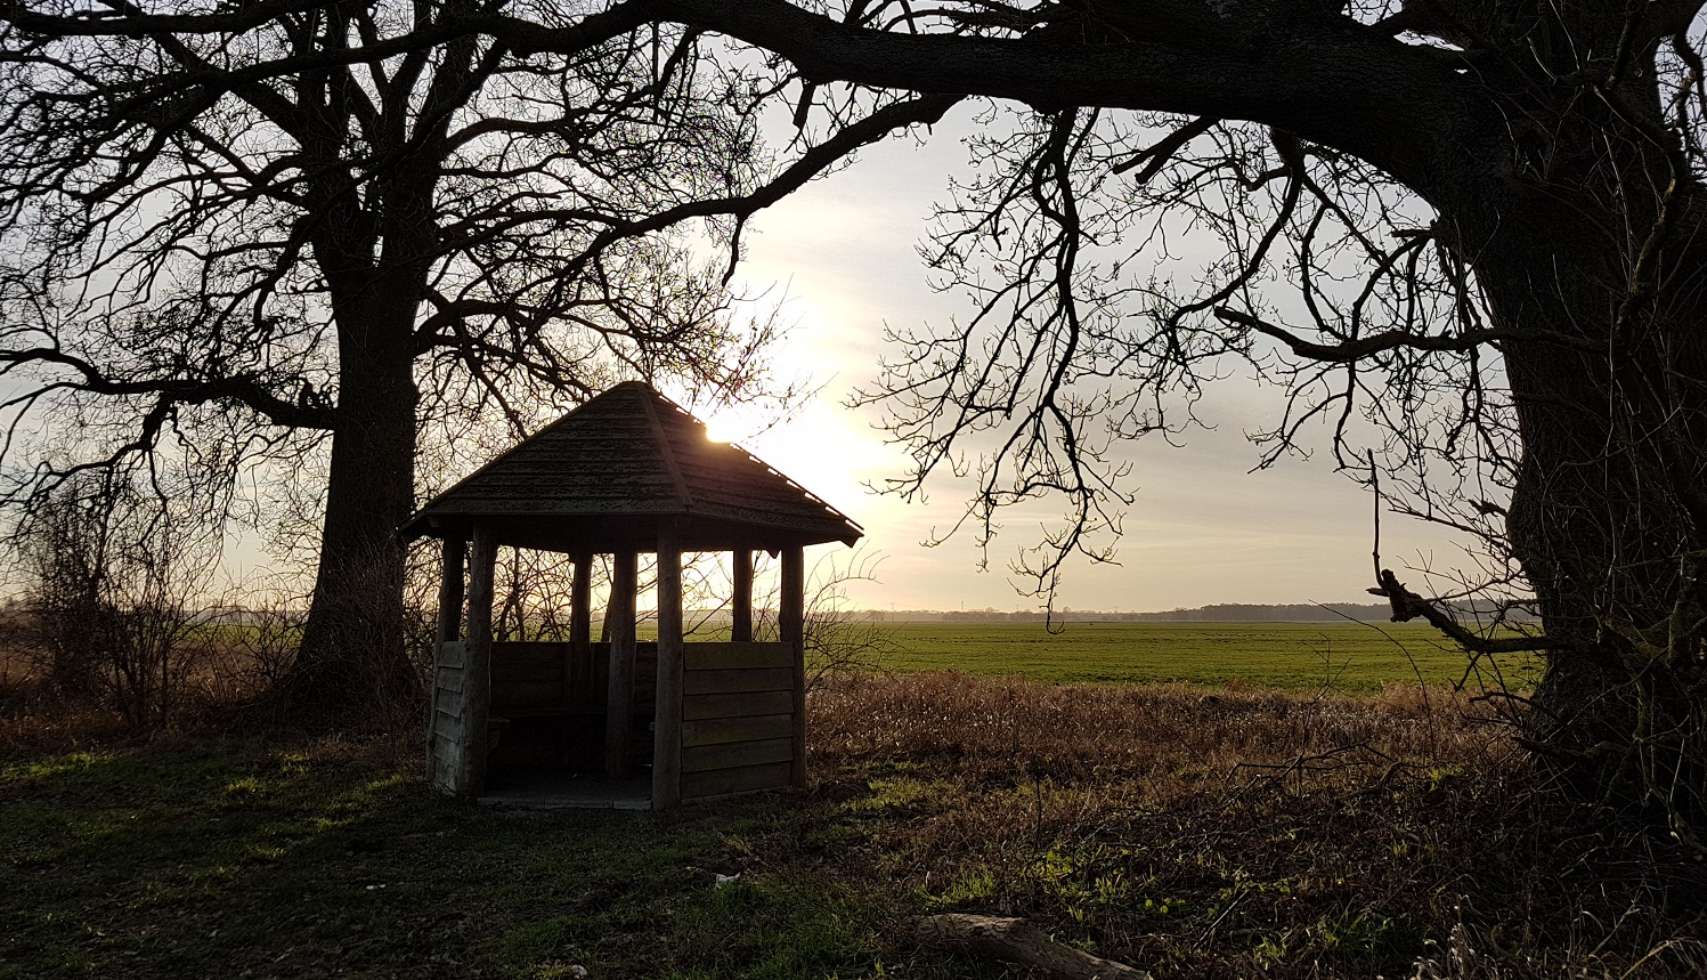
x: 608, y: 473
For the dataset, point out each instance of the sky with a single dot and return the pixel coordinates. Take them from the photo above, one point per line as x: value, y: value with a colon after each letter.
x: 839, y: 255
x: 1203, y: 529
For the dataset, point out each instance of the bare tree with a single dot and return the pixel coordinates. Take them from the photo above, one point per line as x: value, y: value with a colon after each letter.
x: 1462, y: 236
x: 113, y: 586
x: 303, y: 231
x: 64, y: 560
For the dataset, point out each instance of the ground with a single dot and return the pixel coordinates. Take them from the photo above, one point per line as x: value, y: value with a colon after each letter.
x: 1191, y: 833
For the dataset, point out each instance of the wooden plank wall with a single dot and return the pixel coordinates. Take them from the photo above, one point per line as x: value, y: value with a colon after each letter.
x: 528, y: 687
x: 737, y: 718
x: 447, y: 718
x: 532, y: 675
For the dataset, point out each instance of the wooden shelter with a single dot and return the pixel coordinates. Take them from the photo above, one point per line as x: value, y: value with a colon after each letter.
x: 627, y: 473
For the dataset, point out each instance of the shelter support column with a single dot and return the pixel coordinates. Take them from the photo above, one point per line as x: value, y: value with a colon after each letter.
x: 455, y: 553
x: 619, y: 697
x: 477, y: 676
x: 667, y: 711
x: 741, y: 602
x: 580, y: 623
x: 791, y: 622
x: 610, y: 608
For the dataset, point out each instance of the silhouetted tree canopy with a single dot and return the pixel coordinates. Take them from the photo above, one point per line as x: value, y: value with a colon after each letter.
x: 1463, y: 235
x: 256, y: 235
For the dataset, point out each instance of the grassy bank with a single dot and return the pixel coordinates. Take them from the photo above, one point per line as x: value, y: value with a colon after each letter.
x: 1226, y: 835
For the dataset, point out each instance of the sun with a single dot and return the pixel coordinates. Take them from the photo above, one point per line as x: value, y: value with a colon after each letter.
x: 824, y: 448
x: 734, y: 423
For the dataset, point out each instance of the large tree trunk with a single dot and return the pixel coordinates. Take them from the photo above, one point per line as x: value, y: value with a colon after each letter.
x: 1603, y: 524
x: 1608, y: 516
x: 351, y: 670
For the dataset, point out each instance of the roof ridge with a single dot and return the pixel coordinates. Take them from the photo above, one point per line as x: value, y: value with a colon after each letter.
x: 675, y: 470
x: 666, y: 449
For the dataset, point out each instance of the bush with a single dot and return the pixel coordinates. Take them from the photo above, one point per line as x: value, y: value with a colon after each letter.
x: 110, y: 583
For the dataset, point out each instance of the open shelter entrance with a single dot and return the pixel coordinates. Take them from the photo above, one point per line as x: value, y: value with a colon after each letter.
x: 622, y: 723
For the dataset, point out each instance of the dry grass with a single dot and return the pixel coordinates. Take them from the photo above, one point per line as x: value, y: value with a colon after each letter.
x: 1238, y: 833
x: 1196, y: 833
x: 35, y: 720
x: 1085, y: 733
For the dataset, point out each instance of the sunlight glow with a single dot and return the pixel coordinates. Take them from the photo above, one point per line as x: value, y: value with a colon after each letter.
x: 828, y: 451
x: 732, y: 423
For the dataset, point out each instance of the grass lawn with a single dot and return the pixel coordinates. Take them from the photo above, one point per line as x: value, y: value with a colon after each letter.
x: 1226, y: 835
x: 1343, y: 656
x: 239, y: 860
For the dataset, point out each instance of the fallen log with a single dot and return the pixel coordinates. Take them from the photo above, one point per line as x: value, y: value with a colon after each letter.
x: 1018, y: 941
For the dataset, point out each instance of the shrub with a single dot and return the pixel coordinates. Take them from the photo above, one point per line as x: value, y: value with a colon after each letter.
x: 110, y: 580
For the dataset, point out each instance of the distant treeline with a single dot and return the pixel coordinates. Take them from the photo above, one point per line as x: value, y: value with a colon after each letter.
x: 1219, y: 613
x: 1227, y: 612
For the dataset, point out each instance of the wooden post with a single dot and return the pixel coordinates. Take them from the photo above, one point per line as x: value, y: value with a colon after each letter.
x: 455, y: 551
x: 791, y: 623
x: 667, y: 712
x: 619, y: 697
x: 741, y: 603
x: 610, y: 607
x: 579, y: 657
x: 477, y: 675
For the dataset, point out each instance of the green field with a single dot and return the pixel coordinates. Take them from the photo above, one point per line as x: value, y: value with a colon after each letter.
x: 1345, y: 656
